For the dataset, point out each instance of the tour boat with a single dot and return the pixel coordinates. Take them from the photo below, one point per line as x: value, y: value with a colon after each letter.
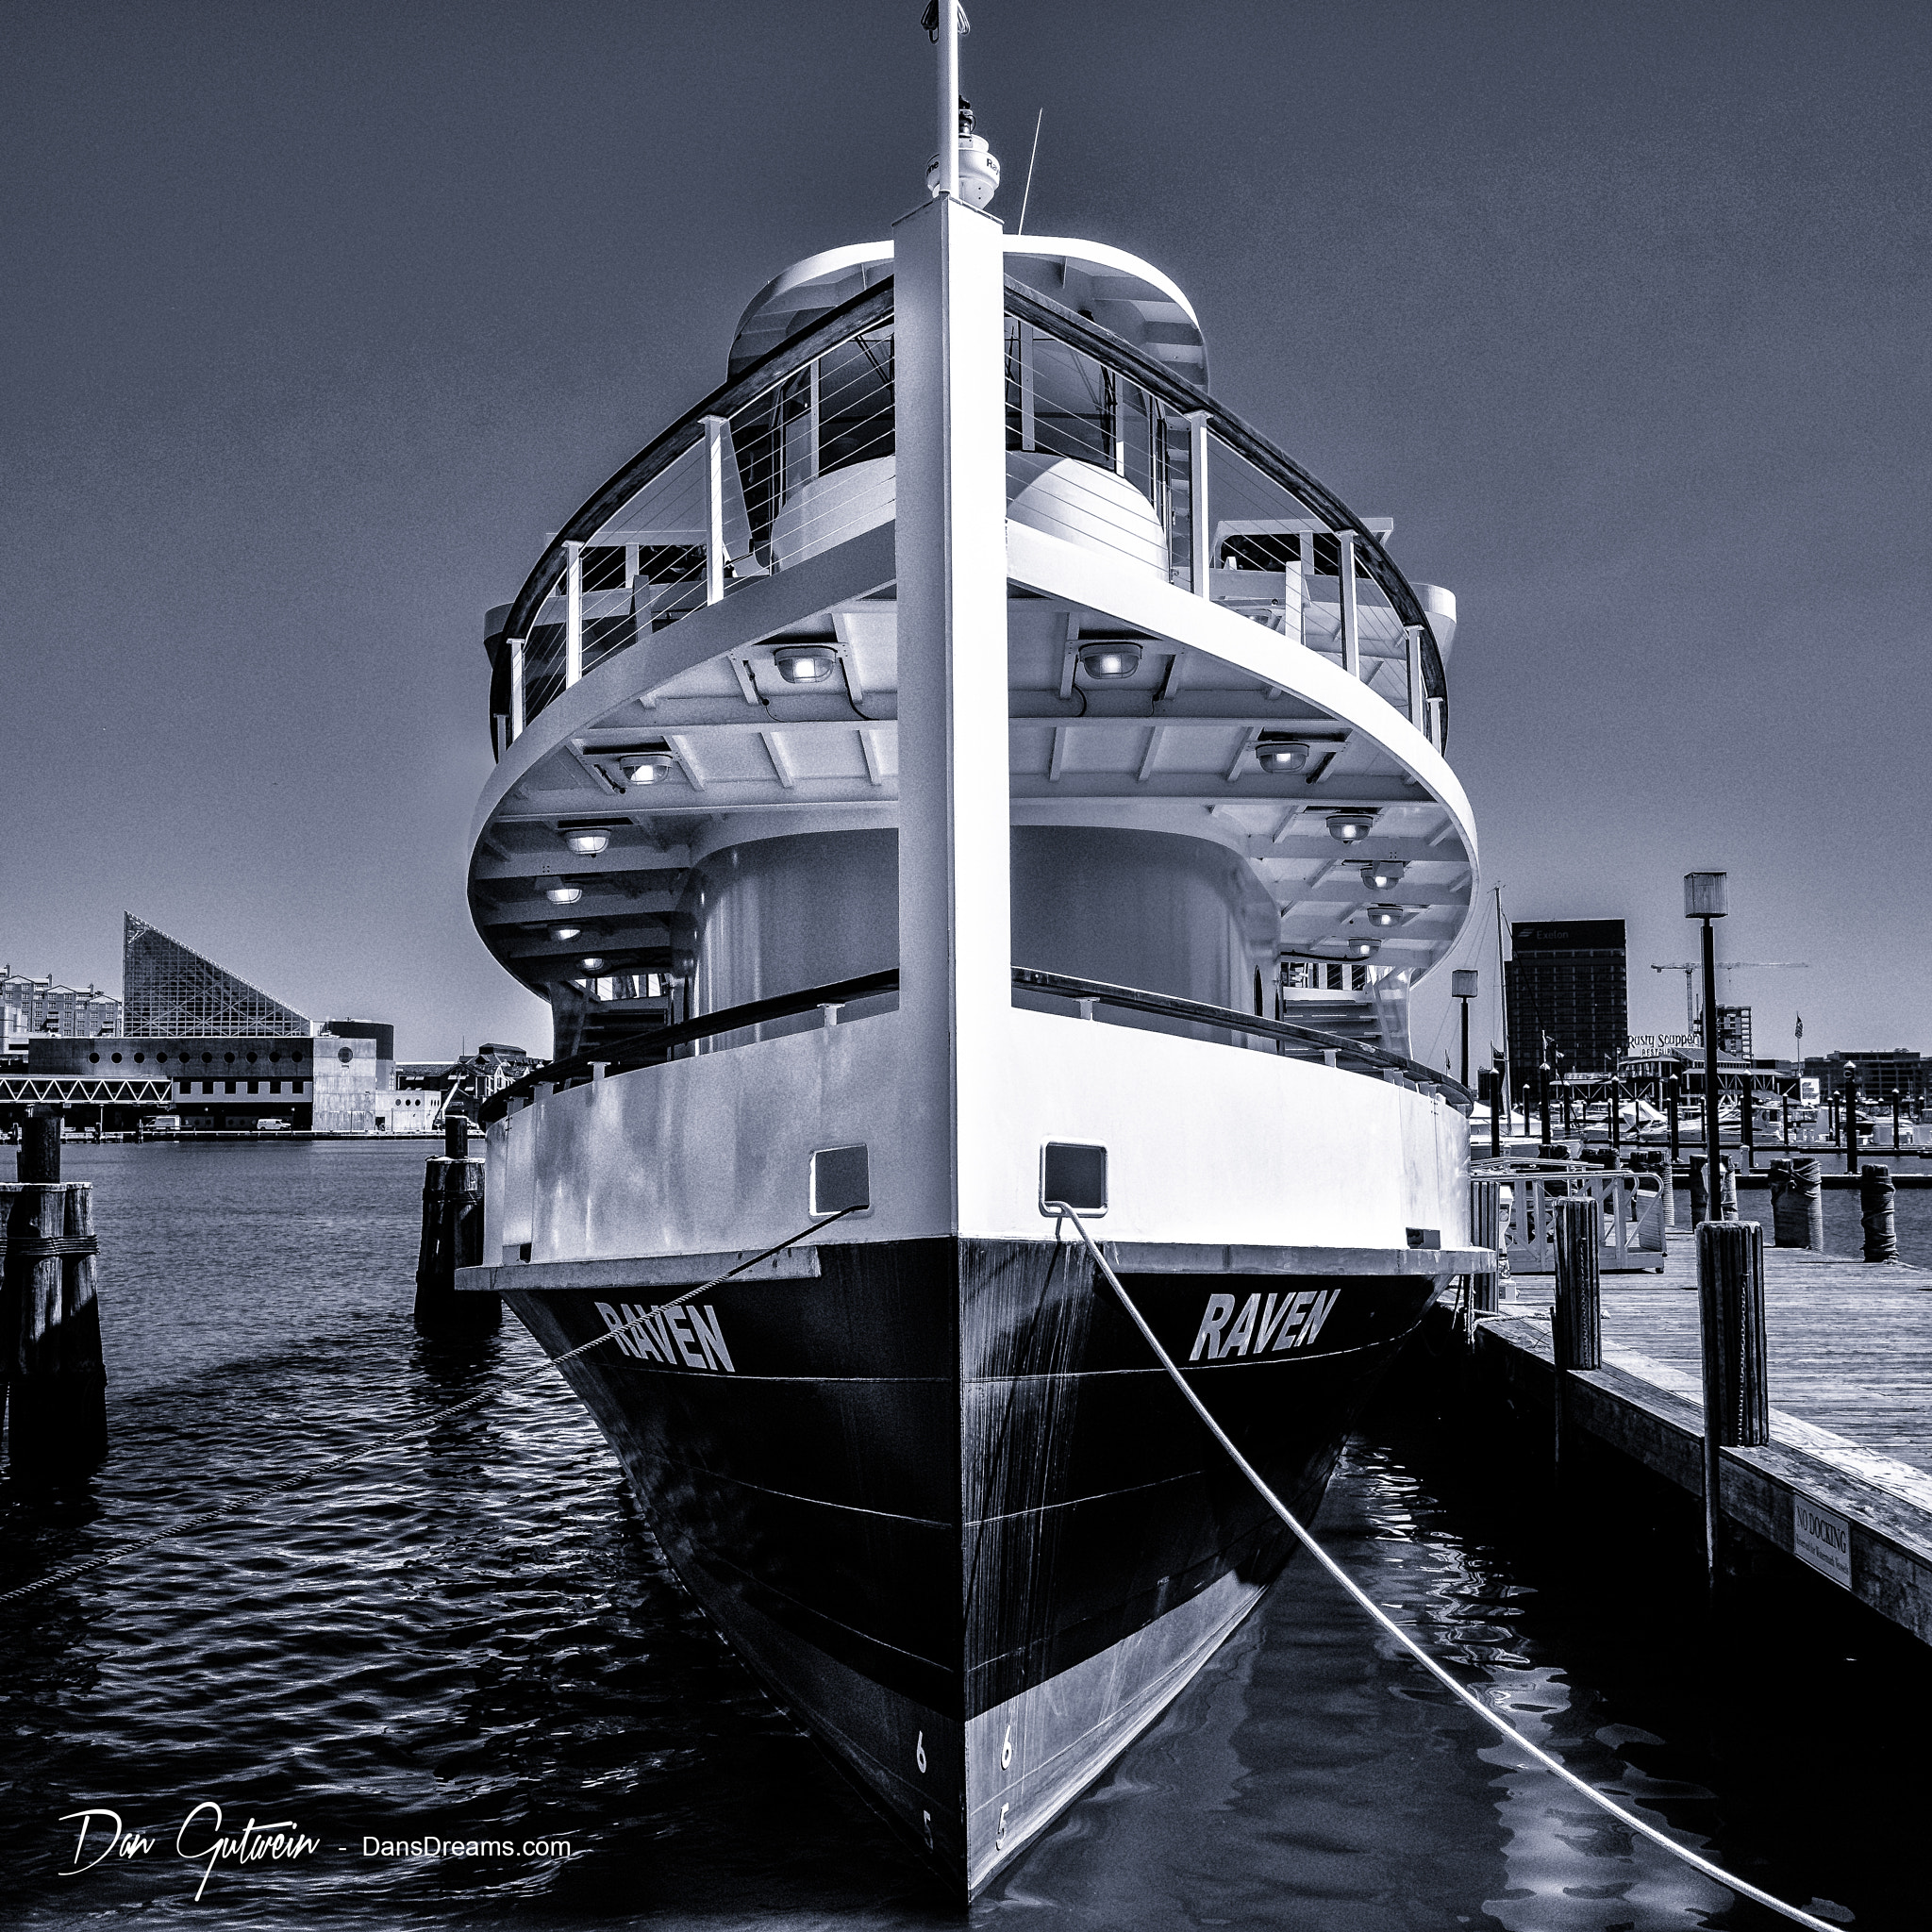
x: 958, y: 772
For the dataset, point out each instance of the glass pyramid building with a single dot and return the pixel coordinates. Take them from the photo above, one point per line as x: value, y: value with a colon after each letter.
x: 169, y: 990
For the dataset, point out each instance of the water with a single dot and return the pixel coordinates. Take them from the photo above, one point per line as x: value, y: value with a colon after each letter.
x: 474, y: 1640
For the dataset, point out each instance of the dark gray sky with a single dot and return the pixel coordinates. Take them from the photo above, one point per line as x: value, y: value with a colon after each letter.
x: 317, y: 318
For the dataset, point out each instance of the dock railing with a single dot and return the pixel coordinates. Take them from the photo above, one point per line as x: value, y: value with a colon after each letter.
x: 1516, y: 1199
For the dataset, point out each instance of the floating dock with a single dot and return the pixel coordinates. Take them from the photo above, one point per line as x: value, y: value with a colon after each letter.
x: 1845, y: 1483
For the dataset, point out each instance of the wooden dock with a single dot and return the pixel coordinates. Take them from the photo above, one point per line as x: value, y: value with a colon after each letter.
x: 1845, y: 1483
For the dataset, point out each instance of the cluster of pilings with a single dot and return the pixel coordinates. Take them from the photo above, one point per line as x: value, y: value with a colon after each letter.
x: 53, y: 1386
x: 1797, y: 1207
x: 453, y: 1239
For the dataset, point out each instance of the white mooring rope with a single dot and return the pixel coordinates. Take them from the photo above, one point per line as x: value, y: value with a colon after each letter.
x: 1493, y: 1718
x: 409, y: 1434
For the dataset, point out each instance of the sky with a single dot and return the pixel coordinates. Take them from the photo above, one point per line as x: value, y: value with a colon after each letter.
x: 316, y: 321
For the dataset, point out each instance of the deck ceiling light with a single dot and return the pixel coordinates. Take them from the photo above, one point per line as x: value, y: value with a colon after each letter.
x: 1283, y: 754
x: 1379, y: 875
x: 1388, y: 915
x: 1351, y: 827
x: 1115, y: 659
x: 564, y: 934
x: 1363, y: 949
x: 587, y: 841
x: 805, y: 663
x: 649, y: 767
x: 592, y: 962
x: 563, y: 895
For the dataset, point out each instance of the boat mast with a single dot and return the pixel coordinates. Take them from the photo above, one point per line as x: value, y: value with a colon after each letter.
x: 948, y: 34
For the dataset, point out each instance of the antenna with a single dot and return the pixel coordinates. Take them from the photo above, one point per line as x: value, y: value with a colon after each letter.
x: 1027, y: 195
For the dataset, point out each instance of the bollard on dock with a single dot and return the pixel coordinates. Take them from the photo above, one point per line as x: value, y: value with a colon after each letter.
x: 1577, y: 1318
x: 1731, y: 1312
x: 1797, y: 1204
x: 1875, y: 1198
x: 452, y: 1238
x: 55, y: 1383
x: 1655, y: 1160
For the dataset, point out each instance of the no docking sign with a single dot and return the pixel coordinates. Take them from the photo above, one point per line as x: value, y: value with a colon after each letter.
x: 1822, y: 1540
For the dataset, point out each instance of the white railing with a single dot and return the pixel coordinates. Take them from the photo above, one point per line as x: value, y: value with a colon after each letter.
x: 1516, y: 1203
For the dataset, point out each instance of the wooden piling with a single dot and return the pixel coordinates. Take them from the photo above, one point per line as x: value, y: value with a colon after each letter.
x: 452, y: 1238
x: 1655, y: 1160
x: 1797, y: 1204
x: 1876, y: 1194
x: 38, y: 1159
x: 1577, y: 1319
x: 1483, y: 1233
x: 50, y: 1329
x: 1730, y: 1315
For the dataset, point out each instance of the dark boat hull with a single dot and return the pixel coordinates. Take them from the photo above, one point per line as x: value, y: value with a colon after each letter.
x: 943, y: 1501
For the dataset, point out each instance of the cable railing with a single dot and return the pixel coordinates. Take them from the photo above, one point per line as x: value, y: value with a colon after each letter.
x: 1105, y: 448
x: 1238, y: 518
x: 654, y: 1046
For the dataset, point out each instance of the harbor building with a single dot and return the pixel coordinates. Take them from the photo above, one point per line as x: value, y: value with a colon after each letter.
x: 1568, y: 984
x: 1883, y: 1072
x: 193, y: 1047
x: 170, y: 989
x: 29, y: 1007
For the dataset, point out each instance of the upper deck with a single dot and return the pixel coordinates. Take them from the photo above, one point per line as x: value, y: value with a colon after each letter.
x: 709, y: 643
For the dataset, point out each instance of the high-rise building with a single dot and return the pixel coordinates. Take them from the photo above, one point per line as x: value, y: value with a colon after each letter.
x: 167, y: 989
x: 1569, y: 984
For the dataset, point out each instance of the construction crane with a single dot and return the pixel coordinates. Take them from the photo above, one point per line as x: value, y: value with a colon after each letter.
x: 1690, y: 969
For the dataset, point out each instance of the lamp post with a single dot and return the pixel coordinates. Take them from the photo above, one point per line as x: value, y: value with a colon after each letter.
x: 1705, y: 898
x: 1851, y: 1113
x: 1462, y: 985
x: 1894, y: 1120
x: 1544, y: 1100
x: 1670, y: 1091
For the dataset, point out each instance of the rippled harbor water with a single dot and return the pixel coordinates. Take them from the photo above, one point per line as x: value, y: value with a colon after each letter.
x: 474, y: 1641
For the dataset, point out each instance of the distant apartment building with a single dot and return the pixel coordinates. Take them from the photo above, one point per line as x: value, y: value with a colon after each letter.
x: 1881, y: 1072
x: 1567, y: 992
x: 31, y: 1006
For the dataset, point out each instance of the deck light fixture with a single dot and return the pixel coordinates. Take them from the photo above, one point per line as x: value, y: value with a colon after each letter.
x: 1283, y: 754
x: 587, y: 841
x: 1117, y: 657
x: 1388, y: 915
x: 1349, y: 827
x: 805, y: 663
x: 563, y: 895
x: 592, y: 962
x: 650, y: 767
x: 1379, y: 875
x: 564, y: 934
x: 1363, y: 949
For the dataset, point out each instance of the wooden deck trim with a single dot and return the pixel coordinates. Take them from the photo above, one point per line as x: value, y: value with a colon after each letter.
x: 1654, y: 1414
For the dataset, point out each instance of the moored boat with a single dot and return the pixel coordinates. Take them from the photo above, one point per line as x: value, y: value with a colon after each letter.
x: 958, y: 772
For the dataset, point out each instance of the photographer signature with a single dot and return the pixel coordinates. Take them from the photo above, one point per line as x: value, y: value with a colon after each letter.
x: 200, y: 1841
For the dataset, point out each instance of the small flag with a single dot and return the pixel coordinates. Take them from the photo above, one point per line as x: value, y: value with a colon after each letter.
x: 1801, y: 1026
